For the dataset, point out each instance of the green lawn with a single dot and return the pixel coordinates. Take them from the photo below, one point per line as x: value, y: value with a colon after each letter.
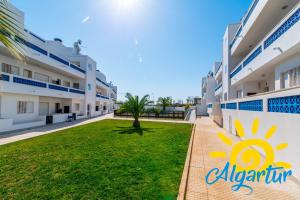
x: 103, y: 160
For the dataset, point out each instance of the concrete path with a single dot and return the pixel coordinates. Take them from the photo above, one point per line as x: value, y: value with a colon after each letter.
x: 30, y: 133
x: 206, y: 141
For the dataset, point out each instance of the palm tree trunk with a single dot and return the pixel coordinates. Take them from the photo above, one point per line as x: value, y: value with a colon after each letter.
x: 136, y: 123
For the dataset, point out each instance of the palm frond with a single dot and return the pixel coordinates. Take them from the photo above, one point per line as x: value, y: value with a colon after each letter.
x: 10, y: 30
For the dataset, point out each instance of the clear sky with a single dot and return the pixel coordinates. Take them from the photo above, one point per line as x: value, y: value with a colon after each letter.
x: 155, y: 47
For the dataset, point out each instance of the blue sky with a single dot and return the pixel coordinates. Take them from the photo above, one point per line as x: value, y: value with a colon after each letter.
x: 155, y: 47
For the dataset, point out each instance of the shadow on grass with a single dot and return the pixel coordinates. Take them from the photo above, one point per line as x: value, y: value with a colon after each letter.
x: 131, y: 130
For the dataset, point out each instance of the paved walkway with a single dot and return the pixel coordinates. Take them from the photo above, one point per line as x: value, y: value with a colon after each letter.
x: 205, y: 141
x: 30, y: 133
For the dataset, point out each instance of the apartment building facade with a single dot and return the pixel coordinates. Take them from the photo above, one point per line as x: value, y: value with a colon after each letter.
x: 259, y: 76
x: 50, y: 84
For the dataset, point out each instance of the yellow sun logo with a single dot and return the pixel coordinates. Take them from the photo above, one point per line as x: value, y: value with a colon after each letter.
x: 245, y: 156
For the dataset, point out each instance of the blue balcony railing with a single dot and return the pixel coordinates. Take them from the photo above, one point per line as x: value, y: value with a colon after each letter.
x: 56, y: 87
x: 244, y: 21
x: 34, y: 35
x: 252, y: 56
x: 286, y: 25
x: 250, y: 12
x: 44, y: 52
x: 98, y: 79
x: 231, y: 106
x: 287, y: 104
x: 76, y: 91
x: 282, y: 29
x: 236, y: 71
x: 218, y: 87
x: 4, y: 77
x: 256, y: 105
x: 77, y: 68
x: 29, y: 82
x: 59, y: 59
x: 101, y: 96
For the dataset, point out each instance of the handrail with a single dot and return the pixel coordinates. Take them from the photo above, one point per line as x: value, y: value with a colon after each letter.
x: 261, y: 43
x: 44, y: 84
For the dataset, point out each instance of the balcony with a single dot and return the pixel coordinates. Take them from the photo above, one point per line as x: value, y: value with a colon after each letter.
x: 21, y: 85
x: 252, y: 29
x: 39, y: 56
x: 102, y: 83
x: 100, y: 96
x: 282, y: 42
x: 218, y: 73
x: 219, y: 89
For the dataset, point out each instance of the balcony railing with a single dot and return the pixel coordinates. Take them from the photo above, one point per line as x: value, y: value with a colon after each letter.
x: 218, y: 87
x: 219, y: 67
x: 284, y: 101
x: 35, y: 83
x: 275, y: 34
x: 98, y: 79
x: 102, y: 96
x: 48, y: 54
x: 244, y: 21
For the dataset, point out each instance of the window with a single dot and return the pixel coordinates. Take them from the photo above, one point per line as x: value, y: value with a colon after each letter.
x: 27, y: 73
x: 90, y: 67
x: 290, y: 78
x: 76, y: 85
x: 57, y: 82
x: 41, y: 77
x: 294, y: 77
x: 24, y: 107
x: 67, y: 83
x: 10, y: 69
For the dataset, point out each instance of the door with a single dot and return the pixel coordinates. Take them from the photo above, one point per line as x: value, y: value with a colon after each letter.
x: 66, y: 109
x: 43, y: 108
x: 230, y: 124
x: 89, y: 110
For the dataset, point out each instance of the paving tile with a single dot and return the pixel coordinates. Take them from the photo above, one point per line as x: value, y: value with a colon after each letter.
x: 206, y: 141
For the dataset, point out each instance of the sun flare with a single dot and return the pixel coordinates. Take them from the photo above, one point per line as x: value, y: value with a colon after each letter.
x: 244, y: 156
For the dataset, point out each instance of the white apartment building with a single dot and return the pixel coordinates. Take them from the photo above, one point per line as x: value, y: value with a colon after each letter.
x: 260, y: 75
x: 52, y: 83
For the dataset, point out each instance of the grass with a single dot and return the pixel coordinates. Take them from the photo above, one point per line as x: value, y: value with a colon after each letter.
x: 102, y: 160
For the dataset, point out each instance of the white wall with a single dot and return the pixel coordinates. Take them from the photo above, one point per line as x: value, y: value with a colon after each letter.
x: 288, y: 127
x: 9, y: 107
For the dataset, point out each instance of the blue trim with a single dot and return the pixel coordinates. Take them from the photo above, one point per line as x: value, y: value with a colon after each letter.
x: 29, y: 82
x: 250, y: 12
x: 56, y: 87
x: 236, y: 71
x: 252, y: 56
x: 256, y: 105
x: 102, y: 82
x: 218, y: 87
x: 76, y: 91
x: 235, y: 37
x: 231, y: 106
x: 32, y: 46
x: 288, y: 104
x: 283, y: 29
x: 59, y: 59
x: 223, y: 106
x: 101, y: 96
x: 77, y: 68
x: 4, y: 77
x: 37, y: 37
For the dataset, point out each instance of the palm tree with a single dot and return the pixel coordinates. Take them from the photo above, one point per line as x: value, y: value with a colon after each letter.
x: 136, y: 107
x: 10, y: 31
x: 164, y: 102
